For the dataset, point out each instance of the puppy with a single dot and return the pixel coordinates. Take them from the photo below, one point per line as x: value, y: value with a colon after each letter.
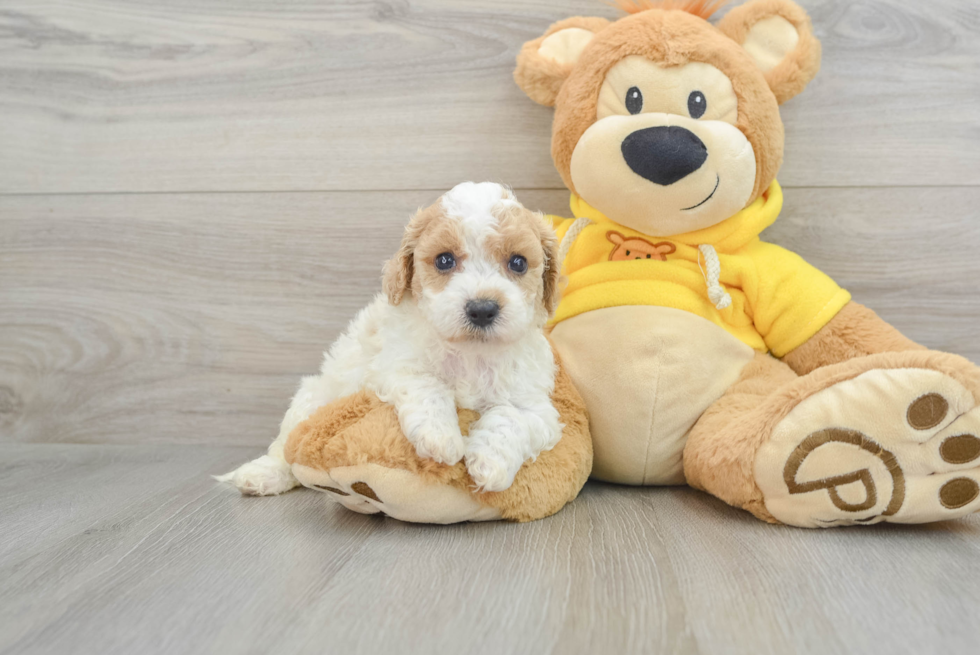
x: 459, y: 324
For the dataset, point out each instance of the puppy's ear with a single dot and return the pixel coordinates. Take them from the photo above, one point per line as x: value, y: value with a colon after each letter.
x: 544, y: 63
x: 399, y: 270
x: 552, y: 267
x: 779, y: 37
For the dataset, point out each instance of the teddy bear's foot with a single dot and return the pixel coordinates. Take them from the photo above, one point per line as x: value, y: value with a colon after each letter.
x: 899, y: 445
x: 401, y: 494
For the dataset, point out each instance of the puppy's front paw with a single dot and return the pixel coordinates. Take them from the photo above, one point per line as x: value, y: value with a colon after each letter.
x: 438, y: 440
x: 490, y: 470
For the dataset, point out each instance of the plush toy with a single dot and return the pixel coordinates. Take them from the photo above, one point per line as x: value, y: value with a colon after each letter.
x: 354, y: 451
x: 704, y: 354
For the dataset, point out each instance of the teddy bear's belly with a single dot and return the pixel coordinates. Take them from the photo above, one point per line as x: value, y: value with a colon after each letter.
x: 646, y: 374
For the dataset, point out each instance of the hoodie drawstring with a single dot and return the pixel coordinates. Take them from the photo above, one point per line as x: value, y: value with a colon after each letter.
x: 573, y: 231
x: 716, y: 292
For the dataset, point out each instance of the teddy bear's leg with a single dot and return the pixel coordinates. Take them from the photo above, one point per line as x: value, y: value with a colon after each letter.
x: 718, y: 456
x: 887, y: 437
x: 855, y: 331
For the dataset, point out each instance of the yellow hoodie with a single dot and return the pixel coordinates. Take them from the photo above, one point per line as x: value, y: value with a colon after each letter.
x: 778, y: 301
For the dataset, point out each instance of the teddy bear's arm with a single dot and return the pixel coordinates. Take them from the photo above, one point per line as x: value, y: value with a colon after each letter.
x: 854, y: 332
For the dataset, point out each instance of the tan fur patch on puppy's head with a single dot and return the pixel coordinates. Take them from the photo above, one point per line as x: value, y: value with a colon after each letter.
x: 399, y: 271
x: 525, y: 233
x: 442, y: 235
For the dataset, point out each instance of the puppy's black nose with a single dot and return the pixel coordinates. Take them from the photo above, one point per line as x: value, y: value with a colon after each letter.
x: 482, y: 312
x: 664, y: 154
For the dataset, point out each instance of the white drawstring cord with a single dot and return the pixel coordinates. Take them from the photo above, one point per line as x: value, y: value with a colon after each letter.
x: 566, y: 241
x: 716, y: 292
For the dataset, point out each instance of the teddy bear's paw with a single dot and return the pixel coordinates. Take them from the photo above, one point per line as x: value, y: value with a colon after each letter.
x: 401, y: 494
x: 265, y: 476
x: 896, y: 445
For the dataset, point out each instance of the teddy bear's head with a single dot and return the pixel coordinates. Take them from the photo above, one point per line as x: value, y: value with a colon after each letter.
x: 664, y: 122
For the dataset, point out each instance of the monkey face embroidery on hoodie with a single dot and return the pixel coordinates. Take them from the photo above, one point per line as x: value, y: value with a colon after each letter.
x: 626, y: 248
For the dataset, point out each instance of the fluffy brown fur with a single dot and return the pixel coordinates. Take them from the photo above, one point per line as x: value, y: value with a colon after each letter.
x: 856, y: 331
x: 792, y: 75
x: 360, y: 429
x: 702, y: 8
x: 539, y: 77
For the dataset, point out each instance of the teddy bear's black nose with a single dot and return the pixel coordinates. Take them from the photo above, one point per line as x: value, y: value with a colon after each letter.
x: 664, y: 154
x: 482, y: 312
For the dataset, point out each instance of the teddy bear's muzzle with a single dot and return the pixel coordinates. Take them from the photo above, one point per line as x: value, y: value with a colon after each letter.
x: 664, y: 154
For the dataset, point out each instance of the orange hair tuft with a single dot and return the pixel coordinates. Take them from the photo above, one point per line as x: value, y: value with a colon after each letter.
x: 702, y: 8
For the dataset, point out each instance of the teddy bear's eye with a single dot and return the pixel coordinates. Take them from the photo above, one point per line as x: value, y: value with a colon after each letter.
x: 445, y: 261
x: 696, y: 104
x: 634, y: 100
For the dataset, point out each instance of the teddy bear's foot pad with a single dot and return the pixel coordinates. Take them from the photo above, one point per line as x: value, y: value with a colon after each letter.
x: 401, y: 494
x: 897, y: 445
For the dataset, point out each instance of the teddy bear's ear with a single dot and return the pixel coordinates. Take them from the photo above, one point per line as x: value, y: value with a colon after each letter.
x: 779, y: 37
x: 544, y: 63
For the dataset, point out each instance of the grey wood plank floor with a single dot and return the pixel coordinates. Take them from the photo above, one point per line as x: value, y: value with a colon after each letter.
x: 131, y: 549
x: 195, y: 197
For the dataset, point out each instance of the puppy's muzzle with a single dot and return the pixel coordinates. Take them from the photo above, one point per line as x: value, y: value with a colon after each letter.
x: 482, y: 313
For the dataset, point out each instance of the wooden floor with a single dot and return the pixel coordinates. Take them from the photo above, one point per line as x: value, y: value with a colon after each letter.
x: 195, y: 197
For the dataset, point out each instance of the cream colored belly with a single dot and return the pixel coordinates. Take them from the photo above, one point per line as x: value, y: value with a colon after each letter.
x: 646, y: 374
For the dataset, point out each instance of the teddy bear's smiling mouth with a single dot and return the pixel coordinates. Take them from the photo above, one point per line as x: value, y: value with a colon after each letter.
x: 710, y: 195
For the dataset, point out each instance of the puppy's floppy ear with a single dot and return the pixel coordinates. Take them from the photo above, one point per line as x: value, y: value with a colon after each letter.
x: 779, y: 37
x: 552, y: 267
x: 544, y: 63
x: 399, y: 270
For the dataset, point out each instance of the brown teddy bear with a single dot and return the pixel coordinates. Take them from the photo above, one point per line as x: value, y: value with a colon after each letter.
x: 729, y: 363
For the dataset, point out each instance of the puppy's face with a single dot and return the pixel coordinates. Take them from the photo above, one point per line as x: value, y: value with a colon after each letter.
x: 478, y: 264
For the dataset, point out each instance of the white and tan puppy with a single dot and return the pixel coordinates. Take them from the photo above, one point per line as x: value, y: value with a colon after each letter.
x: 460, y: 324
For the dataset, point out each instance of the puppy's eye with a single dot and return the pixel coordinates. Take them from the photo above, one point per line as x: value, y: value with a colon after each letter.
x: 445, y: 261
x: 517, y: 264
x: 696, y: 104
x: 634, y: 100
